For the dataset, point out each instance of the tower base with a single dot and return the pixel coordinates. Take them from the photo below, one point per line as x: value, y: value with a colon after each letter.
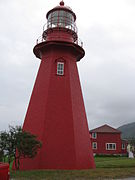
x: 56, y: 112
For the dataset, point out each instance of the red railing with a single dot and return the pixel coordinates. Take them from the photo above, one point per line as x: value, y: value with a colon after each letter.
x: 42, y: 39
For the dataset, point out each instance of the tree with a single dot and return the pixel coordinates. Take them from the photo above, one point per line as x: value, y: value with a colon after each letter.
x: 26, y: 146
x: 4, y: 139
x: 1, y: 155
x: 18, y: 143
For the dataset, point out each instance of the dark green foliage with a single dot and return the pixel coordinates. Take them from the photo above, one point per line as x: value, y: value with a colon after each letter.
x: 132, y: 141
x: 6, y: 146
x: 110, y: 155
x: 16, y: 144
x: 27, y: 146
x: 1, y: 155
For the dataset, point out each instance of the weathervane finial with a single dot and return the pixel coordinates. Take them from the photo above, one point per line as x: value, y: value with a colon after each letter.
x: 62, y: 3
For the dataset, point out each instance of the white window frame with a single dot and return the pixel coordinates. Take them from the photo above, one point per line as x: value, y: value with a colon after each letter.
x: 108, y: 148
x: 94, y: 135
x: 94, y: 145
x: 123, y: 146
x: 60, y: 68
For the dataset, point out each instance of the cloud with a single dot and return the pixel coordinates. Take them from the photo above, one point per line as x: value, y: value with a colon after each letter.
x: 107, y: 76
x: 107, y: 71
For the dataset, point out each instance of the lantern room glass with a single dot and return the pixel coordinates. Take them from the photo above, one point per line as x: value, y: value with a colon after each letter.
x: 61, y: 18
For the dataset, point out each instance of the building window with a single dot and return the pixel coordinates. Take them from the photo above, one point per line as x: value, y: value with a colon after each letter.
x: 94, y: 145
x: 123, y: 146
x: 94, y: 135
x: 60, y: 68
x: 110, y: 146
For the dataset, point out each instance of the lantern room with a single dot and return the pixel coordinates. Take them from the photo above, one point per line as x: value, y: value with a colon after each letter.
x: 61, y: 16
x: 60, y: 19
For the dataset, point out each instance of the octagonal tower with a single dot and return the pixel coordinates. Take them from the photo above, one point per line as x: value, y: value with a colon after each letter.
x: 56, y: 112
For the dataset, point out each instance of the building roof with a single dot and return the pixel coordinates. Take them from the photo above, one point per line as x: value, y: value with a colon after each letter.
x: 105, y: 129
x: 61, y: 7
x: 124, y: 140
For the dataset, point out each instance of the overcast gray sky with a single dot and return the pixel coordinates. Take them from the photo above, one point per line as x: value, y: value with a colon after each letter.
x: 107, y: 72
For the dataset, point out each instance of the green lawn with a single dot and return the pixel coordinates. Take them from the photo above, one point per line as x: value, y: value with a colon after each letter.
x: 114, y: 162
x: 107, y: 167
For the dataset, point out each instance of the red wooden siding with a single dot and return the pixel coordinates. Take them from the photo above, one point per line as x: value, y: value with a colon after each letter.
x: 102, y: 138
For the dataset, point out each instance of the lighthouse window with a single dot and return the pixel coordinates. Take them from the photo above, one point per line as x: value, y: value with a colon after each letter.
x: 61, y: 18
x: 60, y: 68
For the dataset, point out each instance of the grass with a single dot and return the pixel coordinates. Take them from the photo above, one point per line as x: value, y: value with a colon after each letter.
x: 114, y: 162
x: 107, y: 168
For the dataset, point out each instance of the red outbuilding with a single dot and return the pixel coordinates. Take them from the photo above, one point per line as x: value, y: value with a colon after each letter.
x: 107, y: 141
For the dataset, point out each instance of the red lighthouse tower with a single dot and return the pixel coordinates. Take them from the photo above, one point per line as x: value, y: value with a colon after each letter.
x: 56, y: 112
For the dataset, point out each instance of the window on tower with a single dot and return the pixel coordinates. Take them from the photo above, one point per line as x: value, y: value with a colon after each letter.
x: 60, y: 68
